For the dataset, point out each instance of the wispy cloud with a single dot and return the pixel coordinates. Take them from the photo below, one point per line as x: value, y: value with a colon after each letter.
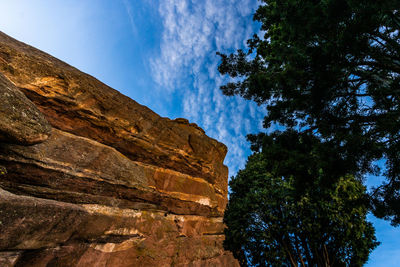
x: 187, y: 65
x: 128, y: 9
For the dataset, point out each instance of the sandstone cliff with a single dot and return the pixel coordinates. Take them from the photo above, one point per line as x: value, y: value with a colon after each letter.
x: 89, y: 177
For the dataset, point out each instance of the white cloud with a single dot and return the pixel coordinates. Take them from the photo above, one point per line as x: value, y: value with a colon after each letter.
x: 187, y: 65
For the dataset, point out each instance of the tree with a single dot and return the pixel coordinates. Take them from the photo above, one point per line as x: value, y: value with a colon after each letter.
x: 330, y: 68
x: 283, y: 212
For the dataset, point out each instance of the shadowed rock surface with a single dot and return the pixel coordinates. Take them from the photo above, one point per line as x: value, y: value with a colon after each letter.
x: 21, y: 121
x: 109, y: 183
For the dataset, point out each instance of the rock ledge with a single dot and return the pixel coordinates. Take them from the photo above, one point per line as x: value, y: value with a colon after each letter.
x: 89, y: 177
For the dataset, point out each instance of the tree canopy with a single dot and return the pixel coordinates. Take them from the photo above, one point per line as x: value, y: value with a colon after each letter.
x: 283, y: 211
x: 330, y: 68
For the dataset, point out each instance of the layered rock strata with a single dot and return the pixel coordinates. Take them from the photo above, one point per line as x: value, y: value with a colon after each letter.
x: 89, y: 177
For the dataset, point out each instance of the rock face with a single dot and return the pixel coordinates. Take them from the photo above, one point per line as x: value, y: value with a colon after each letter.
x: 21, y: 121
x: 109, y: 183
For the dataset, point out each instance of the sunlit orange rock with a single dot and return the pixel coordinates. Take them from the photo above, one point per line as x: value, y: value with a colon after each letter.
x: 109, y: 183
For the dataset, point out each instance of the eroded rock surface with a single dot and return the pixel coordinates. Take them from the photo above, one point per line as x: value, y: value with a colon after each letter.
x: 111, y: 184
x: 21, y: 121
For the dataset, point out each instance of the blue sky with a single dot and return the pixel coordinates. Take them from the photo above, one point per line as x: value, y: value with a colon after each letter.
x: 161, y: 54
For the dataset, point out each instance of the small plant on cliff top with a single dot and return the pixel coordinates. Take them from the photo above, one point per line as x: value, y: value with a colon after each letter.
x: 285, y: 210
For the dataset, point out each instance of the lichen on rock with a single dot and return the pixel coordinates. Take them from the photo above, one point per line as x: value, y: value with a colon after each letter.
x: 3, y: 171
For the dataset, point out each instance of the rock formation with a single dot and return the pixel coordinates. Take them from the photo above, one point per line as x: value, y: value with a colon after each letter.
x: 89, y: 177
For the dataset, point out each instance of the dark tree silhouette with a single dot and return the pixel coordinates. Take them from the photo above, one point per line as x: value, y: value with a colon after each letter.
x: 330, y: 68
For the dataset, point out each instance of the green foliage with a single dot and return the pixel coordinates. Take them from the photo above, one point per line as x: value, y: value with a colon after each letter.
x: 330, y: 68
x: 284, y: 210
